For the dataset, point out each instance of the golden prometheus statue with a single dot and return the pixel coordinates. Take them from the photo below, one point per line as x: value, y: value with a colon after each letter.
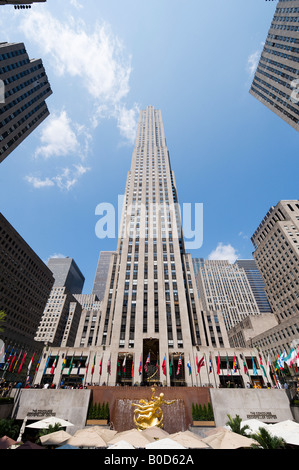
x: 149, y: 413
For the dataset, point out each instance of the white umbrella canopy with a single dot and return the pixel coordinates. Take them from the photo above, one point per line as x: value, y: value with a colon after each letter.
x: 165, y: 443
x: 254, y: 425
x: 288, y: 430
x: 228, y: 440
x: 188, y: 439
x: 155, y: 432
x: 55, y: 438
x: 50, y: 421
x: 85, y: 438
x: 133, y: 436
x: 121, y: 445
x: 106, y: 434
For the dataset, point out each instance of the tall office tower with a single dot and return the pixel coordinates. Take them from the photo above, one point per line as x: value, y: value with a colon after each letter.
x: 151, y: 326
x: 225, y: 287
x: 25, y: 284
x: 276, y: 80
x: 101, y: 275
x: 60, y: 320
x: 67, y: 274
x: 197, y: 263
x: 151, y: 309
x: 256, y: 283
x: 276, y: 243
x: 24, y: 87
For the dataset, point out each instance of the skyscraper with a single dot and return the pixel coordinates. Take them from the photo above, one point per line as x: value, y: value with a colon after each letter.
x: 24, y: 87
x: 151, y: 326
x: 101, y: 275
x: 67, y: 274
x: 276, y: 81
x: 276, y: 243
x: 256, y: 283
x: 225, y: 287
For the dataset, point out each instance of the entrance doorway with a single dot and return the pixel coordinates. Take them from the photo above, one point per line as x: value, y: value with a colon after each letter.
x: 150, y: 362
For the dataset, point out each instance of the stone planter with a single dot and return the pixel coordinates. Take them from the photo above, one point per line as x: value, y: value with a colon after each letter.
x: 96, y: 422
x: 203, y: 423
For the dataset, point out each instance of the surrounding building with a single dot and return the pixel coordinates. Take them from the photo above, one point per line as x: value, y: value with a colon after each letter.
x: 151, y: 326
x: 276, y: 80
x: 21, y: 3
x: 61, y: 317
x: 256, y: 283
x: 25, y: 285
x: 276, y: 243
x: 24, y: 87
x: 225, y: 287
x: 67, y: 274
x: 88, y: 329
x: 101, y: 275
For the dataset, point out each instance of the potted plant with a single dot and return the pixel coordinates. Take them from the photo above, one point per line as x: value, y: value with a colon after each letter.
x: 202, y: 415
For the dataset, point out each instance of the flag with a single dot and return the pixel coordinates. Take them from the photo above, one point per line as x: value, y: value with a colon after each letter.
x: 269, y: 363
x: 16, y: 363
x: 227, y: 365
x: 147, y: 363
x: 8, y: 359
x: 262, y: 366
x: 140, y: 366
x: 79, y: 365
x: 234, y: 365
x: 244, y: 364
x: 12, y: 361
x: 189, y: 367
x: 37, y: 365
x: 170, y: 366
x: 218, y: 365
x: 118, y: 367
x: 157, y: 364
x: 210, y: 364
x: 164, y: 366
x: 109, y: 366
x: 100, y: 370
x: 30, y: 364
x: 290, y: 359
x: 63, y: 364
x: 132, y: 370
x: 253, y: 366
x: 71, y: 365
x: 23, y: 360
x: 54, y: 365
x: 93, y: 364
x: 200, y: 363
x: 2, y: 350
x: 280, y: 360
x: 124, y: 364
x: 179, y: 366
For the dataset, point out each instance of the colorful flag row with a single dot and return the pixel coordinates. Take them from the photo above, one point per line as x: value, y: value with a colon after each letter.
x: 15, y: 361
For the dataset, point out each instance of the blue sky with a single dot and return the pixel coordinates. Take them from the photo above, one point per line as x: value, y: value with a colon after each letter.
x: 194, y: 60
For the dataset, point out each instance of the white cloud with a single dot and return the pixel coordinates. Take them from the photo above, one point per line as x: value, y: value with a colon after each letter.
x: 64, y: 179
x: 96, y: 58
x: 38, y: 182
x: 57, y: 137
x: 127, y: 122
x: 252, y: 62
x: 224, y: 252
x: 76, y: 4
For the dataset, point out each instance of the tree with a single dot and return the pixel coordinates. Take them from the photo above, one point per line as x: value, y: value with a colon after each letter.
x: 9, y: 428
x: 2, y: 320
x: 235, y: 425
x: 49, y: 430
x: 266, y: 440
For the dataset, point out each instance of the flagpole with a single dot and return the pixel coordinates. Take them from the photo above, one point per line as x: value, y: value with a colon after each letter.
x: 214, y: 374
x: 207, y: 369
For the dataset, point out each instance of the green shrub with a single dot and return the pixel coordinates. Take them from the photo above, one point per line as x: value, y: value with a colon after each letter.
x: 202, y: 413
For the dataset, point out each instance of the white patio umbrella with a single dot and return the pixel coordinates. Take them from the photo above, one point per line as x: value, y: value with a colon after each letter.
x: 254, y: 425
x: 288, y: 430
x: 85, y: 438
x: 228, y: 440
x: 155, y: 432
x: 50, y: 421
x: 188, y: 439
x: 132, y: 436
x: 55, y: 438
x: 121, y: 445
x: 165, y: 443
